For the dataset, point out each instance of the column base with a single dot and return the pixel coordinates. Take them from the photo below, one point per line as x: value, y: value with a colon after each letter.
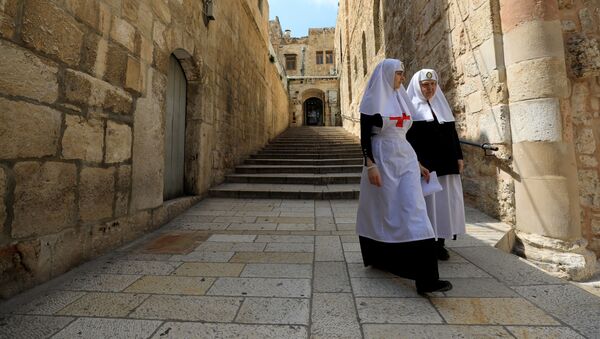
x: 564, y: 259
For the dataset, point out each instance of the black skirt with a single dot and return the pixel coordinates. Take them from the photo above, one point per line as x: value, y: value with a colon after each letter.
x: 416, y: 260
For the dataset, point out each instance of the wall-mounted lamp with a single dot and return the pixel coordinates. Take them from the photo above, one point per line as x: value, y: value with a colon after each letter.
x: 208, y: 9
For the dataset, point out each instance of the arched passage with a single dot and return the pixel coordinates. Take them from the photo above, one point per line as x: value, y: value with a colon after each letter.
x: 313, y: 111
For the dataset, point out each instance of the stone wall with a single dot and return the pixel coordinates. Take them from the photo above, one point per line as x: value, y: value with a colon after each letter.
x: 484, y: 50
x: 581, y: 31
x: 459, y: 40
x: 309, y: 79
x: 325, y: 88
x: 82, y: 105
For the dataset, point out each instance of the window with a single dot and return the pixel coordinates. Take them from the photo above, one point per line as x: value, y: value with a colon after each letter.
x: 329, y: 57
x: 377, y: 25
x: 320, y: 58
x: 290, y: 61
x: 364, y: 53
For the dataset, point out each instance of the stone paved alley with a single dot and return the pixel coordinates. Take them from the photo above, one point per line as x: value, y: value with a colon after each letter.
x: 248, y: 268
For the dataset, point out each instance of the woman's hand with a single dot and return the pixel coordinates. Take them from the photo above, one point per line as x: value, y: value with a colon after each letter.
x: 424, y: 173
x: 374, y: 176
x: 461, y: 166
x: 373, y: 172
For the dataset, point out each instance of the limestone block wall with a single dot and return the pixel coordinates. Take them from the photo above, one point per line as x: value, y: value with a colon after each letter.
x: 462, y: 41
x: 301, y: 90
x: 82, y: 107
x: 305, y: 48
x: 309, y: 79
x: 471, y: 43
x: 580, y: 21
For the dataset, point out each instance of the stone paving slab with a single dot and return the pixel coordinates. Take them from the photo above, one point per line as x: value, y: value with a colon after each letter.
x: 29, y: 326
x: 99, y: 282
x: 222, y: 331
x: 190, y: 308
x: 570, y: 304
x: 331, y: 277
x: 433, y: 331
x: 529, y: 332
x: 274, y: 311
x: 273, y: 257
x: 109, y: 328
x: 492, y: 311
x: 171, y: 285
x: 278, y: 268
x: 397, y: 311
x: 261, y: 287
x: 209, y: 269
x: 46, y: 303
x: 334, y: 316
x: 104, y: 305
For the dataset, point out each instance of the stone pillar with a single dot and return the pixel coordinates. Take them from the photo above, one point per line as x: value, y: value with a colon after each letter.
x: 546, y: 196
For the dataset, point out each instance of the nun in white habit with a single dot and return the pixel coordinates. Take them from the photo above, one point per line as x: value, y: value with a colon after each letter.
x: 394, y: 231
x: 434, y: 138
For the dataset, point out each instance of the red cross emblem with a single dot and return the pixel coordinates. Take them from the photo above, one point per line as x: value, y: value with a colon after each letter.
x: 400, y: 120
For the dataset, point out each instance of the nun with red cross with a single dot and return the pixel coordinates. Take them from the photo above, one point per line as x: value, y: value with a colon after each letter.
x: 394, y: 230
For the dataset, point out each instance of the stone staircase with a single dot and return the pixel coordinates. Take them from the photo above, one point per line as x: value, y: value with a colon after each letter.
x: 301, y: 163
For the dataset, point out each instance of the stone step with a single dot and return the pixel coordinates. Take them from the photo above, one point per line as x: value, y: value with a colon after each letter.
x: 271, y: 155
x: 257, y: 169
x: 312, y: 148
x: 315, y: 140
x: 305, y: 162
x: 302, y: 163
x: 295, y: 178
x: 292, y: 154
x: 266, y: 191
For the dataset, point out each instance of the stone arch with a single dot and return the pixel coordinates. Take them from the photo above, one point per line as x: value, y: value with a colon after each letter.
x: 187, y: 62
x: 312, y: 99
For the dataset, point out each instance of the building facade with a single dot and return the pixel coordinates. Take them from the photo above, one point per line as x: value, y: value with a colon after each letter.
x: 115, y: 115
x: 310, y: 66
x: 522, y: 75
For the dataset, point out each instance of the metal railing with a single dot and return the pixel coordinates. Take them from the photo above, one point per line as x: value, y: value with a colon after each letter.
x: 486, y: 146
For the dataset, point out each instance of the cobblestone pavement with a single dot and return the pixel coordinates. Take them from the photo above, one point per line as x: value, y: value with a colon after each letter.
x: 234, y: 268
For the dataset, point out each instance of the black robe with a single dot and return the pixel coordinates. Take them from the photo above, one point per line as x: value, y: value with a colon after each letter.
x: 416, y: 260
x: 437, y: 145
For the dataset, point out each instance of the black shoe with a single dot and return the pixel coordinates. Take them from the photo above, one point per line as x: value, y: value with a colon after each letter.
x: 438, y: 286
x: 442, y: 253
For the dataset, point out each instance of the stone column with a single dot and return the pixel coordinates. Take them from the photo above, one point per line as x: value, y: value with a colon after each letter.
x: 547, y: 208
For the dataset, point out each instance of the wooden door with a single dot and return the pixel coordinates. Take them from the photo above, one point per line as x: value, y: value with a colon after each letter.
x: 175, y: 131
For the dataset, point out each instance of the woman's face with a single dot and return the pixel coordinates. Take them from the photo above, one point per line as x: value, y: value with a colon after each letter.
x: 428, y: 88
x: 398, y: 79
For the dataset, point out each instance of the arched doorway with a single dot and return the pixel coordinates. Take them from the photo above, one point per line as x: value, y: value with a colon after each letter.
x: 313, y: 112
x: 174, y: 174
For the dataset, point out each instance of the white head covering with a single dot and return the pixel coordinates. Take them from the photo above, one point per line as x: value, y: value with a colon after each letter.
x: 438, y: 102
x: 380, y: 97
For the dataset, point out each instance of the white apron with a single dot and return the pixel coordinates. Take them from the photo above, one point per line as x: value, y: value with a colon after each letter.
x: 446, y: 209
x: 396, y: 211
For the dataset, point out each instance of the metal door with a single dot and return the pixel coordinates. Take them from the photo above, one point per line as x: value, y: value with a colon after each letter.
x: 175, y: 131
